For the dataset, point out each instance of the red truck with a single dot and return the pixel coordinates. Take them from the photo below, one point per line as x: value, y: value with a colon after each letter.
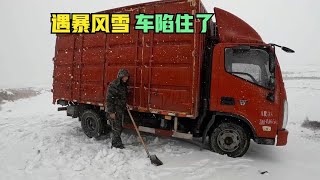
x: 225, y: 84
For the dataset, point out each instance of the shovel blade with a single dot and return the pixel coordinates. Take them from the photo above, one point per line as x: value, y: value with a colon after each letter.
x: 155, y: 160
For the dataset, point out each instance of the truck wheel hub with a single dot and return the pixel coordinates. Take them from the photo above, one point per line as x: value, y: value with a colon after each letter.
x: 91, y: 124
x: 228, y: 140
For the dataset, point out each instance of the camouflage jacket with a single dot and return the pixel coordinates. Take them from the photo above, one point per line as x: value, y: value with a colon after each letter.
x: 117, y: 94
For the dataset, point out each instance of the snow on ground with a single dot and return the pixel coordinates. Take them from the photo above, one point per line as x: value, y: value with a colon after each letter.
x: 38, y: 142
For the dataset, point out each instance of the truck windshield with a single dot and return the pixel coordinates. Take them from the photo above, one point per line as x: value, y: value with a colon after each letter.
x: 251, y: 65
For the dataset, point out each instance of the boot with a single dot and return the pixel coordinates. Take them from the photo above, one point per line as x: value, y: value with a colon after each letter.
x: 117, y: 144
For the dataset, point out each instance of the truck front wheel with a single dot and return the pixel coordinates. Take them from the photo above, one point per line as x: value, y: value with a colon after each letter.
x: 91, y: 123
x: 229, y: 138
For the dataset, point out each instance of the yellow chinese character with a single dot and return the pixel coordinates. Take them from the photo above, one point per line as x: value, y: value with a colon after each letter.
x: 120, y: 23
x: 100, y: 22
x: 60, y: 23
x: 80, y: 23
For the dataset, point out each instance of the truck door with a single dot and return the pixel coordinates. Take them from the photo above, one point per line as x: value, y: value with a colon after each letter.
x: 246, y: 86
x: 63, y: 67
x: 77, y: 66
x: 170, y: 65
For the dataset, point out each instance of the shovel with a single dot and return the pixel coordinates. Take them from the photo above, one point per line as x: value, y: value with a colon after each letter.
x: 153, y: 158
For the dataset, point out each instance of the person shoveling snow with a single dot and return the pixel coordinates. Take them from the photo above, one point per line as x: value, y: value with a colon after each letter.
x: 116, y: 105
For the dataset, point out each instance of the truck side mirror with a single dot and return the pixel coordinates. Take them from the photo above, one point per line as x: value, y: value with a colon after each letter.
x: 288, y: 50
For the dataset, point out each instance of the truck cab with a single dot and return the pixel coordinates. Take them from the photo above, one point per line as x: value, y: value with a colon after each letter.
x: 246, y: 88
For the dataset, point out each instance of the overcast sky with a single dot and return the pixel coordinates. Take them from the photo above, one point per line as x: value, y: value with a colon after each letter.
x: 27, y: 47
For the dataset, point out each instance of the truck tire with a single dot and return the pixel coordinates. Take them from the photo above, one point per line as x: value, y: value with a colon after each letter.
x: 92, y: 124
x: 229, y: 138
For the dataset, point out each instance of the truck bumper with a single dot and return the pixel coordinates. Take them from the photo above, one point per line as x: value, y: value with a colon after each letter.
x: 282, y: 137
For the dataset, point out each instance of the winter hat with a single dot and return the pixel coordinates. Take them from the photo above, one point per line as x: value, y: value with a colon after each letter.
x: 122, y: 73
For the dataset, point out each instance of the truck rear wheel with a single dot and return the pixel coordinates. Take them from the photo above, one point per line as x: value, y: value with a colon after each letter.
x: 229, y: 138
x: 92, y: 124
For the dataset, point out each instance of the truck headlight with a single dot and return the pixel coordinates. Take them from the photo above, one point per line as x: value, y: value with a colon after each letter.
x: 285, y: 114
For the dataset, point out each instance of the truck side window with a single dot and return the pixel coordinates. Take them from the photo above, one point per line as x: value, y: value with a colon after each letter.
x: 251, y: 65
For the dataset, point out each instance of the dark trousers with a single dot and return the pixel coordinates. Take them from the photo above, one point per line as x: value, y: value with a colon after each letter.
x: 116, y: 125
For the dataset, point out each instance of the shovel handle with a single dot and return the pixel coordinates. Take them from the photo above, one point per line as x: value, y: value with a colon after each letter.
x: 137, y: 130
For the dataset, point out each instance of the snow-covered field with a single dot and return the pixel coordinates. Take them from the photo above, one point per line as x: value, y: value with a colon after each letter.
x: 38, y: 142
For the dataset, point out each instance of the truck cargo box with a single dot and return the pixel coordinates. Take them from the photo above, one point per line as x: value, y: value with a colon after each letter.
x: 164, y: 68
